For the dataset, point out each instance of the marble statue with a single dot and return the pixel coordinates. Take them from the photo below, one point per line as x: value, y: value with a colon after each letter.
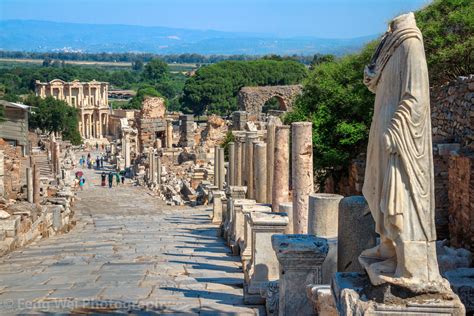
x: 399, y: 181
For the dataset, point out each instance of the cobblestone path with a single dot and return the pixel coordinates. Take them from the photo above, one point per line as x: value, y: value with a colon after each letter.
x: 129, y: 252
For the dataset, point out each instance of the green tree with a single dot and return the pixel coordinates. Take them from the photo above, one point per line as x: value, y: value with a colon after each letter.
x: 51, y: 115
x: 155, y: 71
x: 214, y: 88
x: 137, y: 65
x: 340, y: 107
x: 136, y: 101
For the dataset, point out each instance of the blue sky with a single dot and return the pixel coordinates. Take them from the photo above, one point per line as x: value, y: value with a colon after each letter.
x: 321, y: 18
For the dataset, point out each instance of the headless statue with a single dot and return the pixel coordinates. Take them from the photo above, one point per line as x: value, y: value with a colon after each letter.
x: 399, y: 180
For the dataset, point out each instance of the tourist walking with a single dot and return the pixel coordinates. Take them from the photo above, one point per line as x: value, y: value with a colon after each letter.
x: 82, y: 181
x: 97, y: 163
x: 102, y: 162
x: 103, y: 176
x: 111, y: 179
x: 81, y: 162
x: 122, y: 178
x: 117, y: 178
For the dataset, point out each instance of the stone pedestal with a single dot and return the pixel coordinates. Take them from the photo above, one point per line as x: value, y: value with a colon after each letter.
x: 240, y: 222
x: 356, y: 233
x: 231, y: 175
x: 355, y: 295
x: 323, y: 214
x: 260, y: 172
x: 264, y: 265
x: 301, y: 173
x: 217, y: 206
x: 245, y: 243
x: 235, y: 215
x: 300, y: 258
x: 288, y: 209
x: 29, y: 184
x: 233, y: 193
x: 281, y: 170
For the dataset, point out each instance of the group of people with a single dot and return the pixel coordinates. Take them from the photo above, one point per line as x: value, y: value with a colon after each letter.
x: 118, y: 178
x: 90, y: 162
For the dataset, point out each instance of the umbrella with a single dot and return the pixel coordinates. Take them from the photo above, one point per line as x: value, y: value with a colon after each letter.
x: 79, y: 174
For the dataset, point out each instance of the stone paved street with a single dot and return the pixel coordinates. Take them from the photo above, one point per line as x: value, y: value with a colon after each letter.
x: 128, y: 251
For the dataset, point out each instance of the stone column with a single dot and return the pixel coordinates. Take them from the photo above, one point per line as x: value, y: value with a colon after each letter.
x: 249, y: 157
x: 57, y: 156
x: 238, y: 163
x: 151, y: 161
x: 231, y: 175
x: 323, y: 214
x: 300, y: 258
x: 270, y: 160
x: 36, y: 184
x: 260, y: 172
x: 126, y: 145
x: 2, y: 173
x: 221, y: 168
x: 356, y: 232
x: 216, y: 166
x: 158, y: 169
x: 29, y: 184
x: 281, y: 170
x: 301, y: 173
x: 322, y: 222
x: 169, y: 134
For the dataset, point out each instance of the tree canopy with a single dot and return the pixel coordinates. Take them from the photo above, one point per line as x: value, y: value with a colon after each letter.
x: 52, y: 115
x: 214, y: 88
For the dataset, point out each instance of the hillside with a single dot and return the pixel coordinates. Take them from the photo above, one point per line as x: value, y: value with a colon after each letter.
x: 42, y: 36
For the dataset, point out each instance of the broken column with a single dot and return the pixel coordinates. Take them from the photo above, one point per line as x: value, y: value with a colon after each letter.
x: 29, y: 184
x: 216, y: 165
x: 231, y: 175
x: 169, y: 134
x: 288, y: 209
x: 300, y: 258
x: 260, y: 172
x: 158, y: 168
x: 356, y: 232
x: 2, y: 173
x: 126, y: 144
x: 217, y: 206
x: 270, y: 160
x: 281, y: 169
x: 301, y: 173
x: 323, y: 216
x: 221, y: 166
x: 36, y: 184
x: 238, y: 162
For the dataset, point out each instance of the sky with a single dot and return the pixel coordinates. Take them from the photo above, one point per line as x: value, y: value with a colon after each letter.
x: 288, y: 18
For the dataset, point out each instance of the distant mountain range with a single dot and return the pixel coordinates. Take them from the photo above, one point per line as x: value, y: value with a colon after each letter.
x: 44, y: 36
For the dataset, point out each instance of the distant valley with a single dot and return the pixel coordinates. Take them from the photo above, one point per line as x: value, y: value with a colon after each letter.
x: 43, y: 36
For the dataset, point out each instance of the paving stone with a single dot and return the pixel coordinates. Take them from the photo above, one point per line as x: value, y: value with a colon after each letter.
x: 127, y: 247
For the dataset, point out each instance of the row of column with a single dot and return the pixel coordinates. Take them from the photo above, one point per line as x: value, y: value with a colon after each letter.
x: 91, y: 127
x: 263, y: 167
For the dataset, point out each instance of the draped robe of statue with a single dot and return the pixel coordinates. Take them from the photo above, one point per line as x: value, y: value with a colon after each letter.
x: 399, y: 180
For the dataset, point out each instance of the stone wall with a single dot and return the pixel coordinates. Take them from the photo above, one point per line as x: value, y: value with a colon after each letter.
x: 452, y: 113
x: 151, y: 123
x: 252, y: 99
x: 461, y: 201
x: 12, y: 169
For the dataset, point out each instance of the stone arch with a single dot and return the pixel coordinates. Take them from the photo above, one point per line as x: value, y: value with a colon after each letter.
x: 252, y: 99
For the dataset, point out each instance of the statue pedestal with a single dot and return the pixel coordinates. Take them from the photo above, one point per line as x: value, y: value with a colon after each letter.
x: 355, y: 295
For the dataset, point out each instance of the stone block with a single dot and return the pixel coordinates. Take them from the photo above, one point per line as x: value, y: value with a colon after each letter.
x: 10, y: 225
x: 237, y: 221
x: 301, y: 258
x: 322, y: 299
